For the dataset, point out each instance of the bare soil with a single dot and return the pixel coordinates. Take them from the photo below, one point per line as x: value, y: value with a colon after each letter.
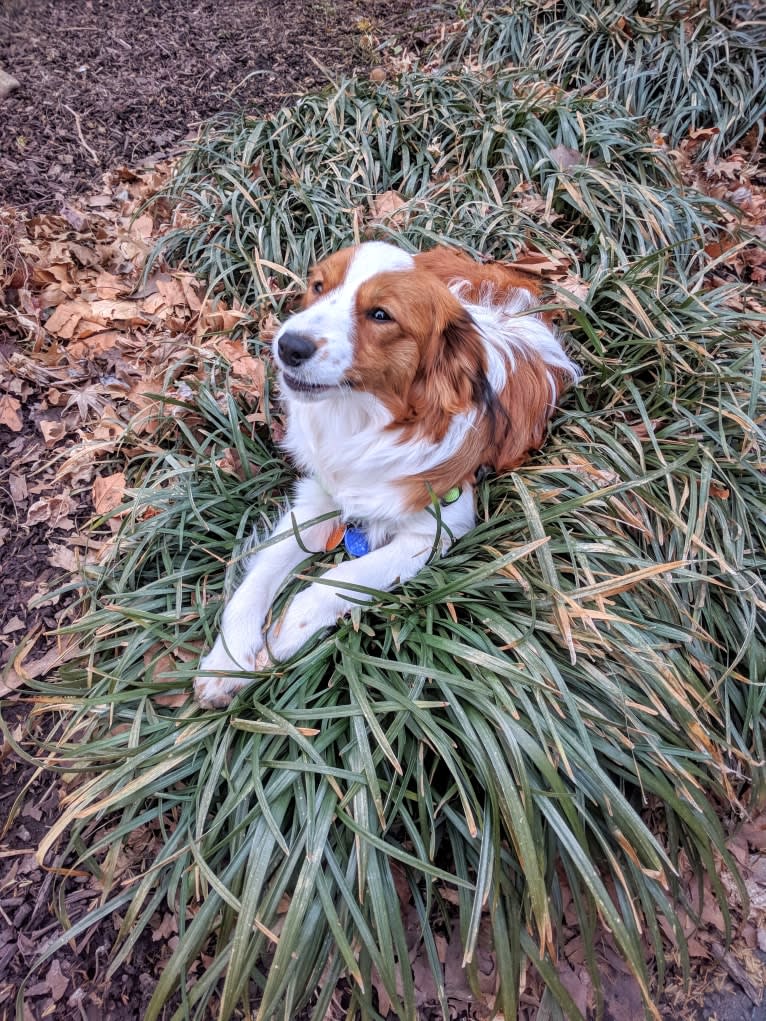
x: 105, y: 82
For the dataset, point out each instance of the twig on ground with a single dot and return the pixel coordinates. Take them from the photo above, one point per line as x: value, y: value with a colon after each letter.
x: 91, y: 152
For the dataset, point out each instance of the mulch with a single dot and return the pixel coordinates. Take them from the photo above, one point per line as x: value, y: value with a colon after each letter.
x: 72, y: 984
x: 106, y: 82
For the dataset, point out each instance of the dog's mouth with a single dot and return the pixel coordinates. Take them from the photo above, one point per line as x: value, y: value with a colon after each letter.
x: 302, y: 387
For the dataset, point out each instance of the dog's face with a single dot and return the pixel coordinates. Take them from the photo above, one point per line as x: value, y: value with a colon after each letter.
x: 371, y: 321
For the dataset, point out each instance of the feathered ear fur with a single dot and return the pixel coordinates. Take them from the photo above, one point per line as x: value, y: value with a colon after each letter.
x: 526, y: 402
x: 510, y: 423
x: 452, y: 371
x: 513, y: 419
x: 510, y: 417
x: 454, y: 365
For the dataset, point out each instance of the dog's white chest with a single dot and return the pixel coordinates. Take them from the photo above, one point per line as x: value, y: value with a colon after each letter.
x: 351, y: 454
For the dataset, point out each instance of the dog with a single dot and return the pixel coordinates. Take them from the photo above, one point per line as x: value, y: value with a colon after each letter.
x: 404, y: 377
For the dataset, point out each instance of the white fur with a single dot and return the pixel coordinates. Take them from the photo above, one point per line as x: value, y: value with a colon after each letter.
x: 354, y: 466
x: 507, y: 329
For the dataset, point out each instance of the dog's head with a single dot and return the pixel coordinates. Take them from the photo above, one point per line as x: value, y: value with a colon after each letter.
x: 373, y: 320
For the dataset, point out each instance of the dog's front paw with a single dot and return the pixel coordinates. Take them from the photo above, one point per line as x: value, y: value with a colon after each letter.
x: 308, y: 613
x: 221, y: 676
x: 216, y: 692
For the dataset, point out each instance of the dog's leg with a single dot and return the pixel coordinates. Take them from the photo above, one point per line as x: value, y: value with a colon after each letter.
x: 241, y: 635
x: 320, y: 605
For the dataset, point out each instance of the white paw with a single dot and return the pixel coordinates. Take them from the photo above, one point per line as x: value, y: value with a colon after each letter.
x: 306, y: 615
x: 221, y: 676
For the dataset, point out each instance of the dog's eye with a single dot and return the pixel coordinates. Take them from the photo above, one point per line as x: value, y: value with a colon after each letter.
x: 317, y: 287
x: 379, y: 315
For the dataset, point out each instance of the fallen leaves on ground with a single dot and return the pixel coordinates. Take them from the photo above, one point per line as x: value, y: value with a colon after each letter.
x: 92, y: 343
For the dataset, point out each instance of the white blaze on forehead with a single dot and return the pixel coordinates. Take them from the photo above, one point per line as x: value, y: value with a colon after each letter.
x: 331, y: 318
x: 374, y: 257
x: 368, y: 260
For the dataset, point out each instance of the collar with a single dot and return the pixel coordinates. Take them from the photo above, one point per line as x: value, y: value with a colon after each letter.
x: 354, y: 537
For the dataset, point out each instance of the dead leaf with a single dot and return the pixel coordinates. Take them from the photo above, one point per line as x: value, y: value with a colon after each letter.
x: 86, y: 256
x: 268, y: 328
x: 58, y: 983
x: 578, y: 984
x: 107, y: 285
x: 39, y: 512
x: 53, y: 432
x: 190, y: 287
x: 718, y: 491
x: 63, y: 322
x: 161, y: 669
x: 218, y: 320
x: 402, y: 885
x: 9, y: 413
x: 230, y: 462
x: 455, y: 979
x: 64, y: 557
x: 243, y: 364
x: 10, y: 680
x: 143, y: 227
x: 51, y: 509
x: 622, y: 996
x: 75, y: 219
x: 170, y: 290
x: 564, y: 157
x: 168, y: 927
x: 574, y: 285
x: 21, y: 671
x: 108, y: 492
x: 388, y: 206
x: 158, y: 661
x: 539, y: 262
x: 110, y: 310
x: 93, y: 341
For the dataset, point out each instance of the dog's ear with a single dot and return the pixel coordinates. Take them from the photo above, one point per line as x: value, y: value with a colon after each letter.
x: 461, y: 360
x: 525, y: 404
x: 453, y: 366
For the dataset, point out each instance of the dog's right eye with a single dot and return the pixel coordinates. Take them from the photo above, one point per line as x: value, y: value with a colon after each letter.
x: 317, y: 287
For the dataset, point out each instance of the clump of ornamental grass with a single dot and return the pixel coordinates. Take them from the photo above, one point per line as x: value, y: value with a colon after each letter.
x: 680, y: 66
x: 497, y: 163
x: 563, y: 709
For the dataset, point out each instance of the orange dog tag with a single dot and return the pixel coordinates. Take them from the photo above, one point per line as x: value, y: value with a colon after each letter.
x: 335, y: 537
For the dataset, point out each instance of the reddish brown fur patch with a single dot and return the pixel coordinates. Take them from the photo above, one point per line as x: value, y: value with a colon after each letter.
x: 517, y: 424
x: 502, y: 438
x: 330, y: 273
x: 450, y: 265
x: 422, y: 364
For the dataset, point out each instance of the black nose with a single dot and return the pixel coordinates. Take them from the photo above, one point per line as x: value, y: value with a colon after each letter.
x: 295, y: 349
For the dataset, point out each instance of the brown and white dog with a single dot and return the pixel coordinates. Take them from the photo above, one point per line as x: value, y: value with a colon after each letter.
x: 402, y: 377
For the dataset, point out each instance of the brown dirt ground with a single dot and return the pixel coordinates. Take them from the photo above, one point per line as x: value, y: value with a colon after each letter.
x: 104, y: 83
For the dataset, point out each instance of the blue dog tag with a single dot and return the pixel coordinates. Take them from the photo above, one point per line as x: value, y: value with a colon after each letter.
x: 355, y: 542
